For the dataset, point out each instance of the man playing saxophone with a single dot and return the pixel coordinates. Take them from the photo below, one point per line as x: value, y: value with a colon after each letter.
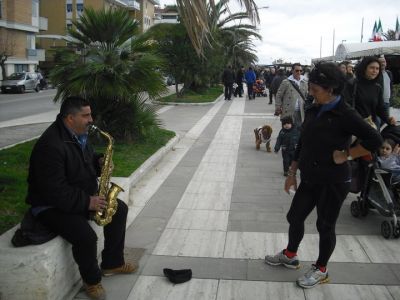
x: 62, y: 189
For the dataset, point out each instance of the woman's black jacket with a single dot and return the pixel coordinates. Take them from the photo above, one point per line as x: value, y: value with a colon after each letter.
x: 332, y: 130
x: 61, y: 174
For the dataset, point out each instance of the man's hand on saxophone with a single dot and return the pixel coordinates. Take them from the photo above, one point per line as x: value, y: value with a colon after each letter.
x: 97, y: 203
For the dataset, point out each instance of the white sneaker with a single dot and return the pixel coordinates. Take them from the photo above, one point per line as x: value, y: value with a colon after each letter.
x: 313, y: 277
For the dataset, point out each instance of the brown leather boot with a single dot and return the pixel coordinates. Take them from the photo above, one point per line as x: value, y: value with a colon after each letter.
x: 95, y: 291
x: 126, y: 268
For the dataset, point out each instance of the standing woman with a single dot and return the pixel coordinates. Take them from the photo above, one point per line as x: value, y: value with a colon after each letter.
x: 365, y: 94
x: 322, y: 156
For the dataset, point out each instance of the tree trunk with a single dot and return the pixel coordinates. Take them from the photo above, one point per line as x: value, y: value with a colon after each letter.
x: 3, y: 69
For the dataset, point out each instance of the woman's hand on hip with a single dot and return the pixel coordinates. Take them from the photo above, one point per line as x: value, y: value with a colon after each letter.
x: 339, y: 157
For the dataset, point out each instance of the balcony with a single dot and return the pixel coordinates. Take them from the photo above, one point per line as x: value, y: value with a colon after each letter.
x: 133, y: 4
x: 43, y: 23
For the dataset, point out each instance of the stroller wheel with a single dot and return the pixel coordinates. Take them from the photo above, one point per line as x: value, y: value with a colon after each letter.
x: 355, y: 209
x: 386, y: 229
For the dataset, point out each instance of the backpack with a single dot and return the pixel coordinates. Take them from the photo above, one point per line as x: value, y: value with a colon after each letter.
x: 31, y: 232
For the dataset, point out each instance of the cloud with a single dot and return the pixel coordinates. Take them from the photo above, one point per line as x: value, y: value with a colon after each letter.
x: 292, y: 30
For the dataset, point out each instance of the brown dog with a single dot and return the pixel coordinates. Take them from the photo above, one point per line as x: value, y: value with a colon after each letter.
x: 263, y: 135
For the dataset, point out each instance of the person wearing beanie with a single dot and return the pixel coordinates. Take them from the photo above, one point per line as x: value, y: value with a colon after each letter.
x: 322, y: 156
x: 287, y: 140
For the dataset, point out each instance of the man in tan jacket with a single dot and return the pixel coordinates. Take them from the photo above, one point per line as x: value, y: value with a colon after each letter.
x: 291, y: 96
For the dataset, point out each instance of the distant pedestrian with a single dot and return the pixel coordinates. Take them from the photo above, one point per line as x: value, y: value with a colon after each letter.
x: 239, y: 82
x: 268, y: 81
x: 386, y: 81
x: 228, y: 78
x: 291, y: 96
x: 276, y: 82
x: 250, y: 77
x: 287, y: 140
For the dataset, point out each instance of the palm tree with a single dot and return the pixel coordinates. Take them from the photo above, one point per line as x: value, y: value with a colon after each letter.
x: 113, y: 71
x: 195, y: 16
x: 390, y: 35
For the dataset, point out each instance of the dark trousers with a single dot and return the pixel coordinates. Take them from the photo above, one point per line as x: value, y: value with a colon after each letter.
x: 76, y: 230
x: 228, y: 90
x: 287, y: 157
x: 250, y: 91
x: 270, y: 97
x: 239, y: 89
x: 328, y: 198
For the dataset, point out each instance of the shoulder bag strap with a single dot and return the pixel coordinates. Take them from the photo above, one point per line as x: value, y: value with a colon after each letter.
x: 298, y: 90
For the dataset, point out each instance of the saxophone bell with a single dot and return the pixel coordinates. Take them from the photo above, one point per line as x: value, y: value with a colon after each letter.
x: 107, y: 189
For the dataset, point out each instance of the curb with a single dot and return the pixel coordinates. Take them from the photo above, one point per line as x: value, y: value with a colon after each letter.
x: 152, y: 161
x: 188, y: 104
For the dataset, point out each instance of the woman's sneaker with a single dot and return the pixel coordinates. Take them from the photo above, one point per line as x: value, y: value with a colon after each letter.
x: 282, y: 259
x: 313, y: 277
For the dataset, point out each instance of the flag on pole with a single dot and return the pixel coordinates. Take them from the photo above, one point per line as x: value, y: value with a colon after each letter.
x: 373, y: 36
x: 397, y: 31
x: 379, y: 32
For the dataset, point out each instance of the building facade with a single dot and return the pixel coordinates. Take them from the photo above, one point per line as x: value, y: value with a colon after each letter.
x: 62, y: 13
x: 19, y: 24
x: 168, y: 14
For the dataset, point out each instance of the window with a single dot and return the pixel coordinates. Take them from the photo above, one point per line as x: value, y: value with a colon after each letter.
x: 35, y: 8
x: 30, y: 41
x: 21, y: 68
x: 69, y: 7
x: 79, y: 7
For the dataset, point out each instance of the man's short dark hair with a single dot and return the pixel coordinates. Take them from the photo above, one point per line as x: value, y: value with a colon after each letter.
x: 295, y: 64
x: 72, y: 105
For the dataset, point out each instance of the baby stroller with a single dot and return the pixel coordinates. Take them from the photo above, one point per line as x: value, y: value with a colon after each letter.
x: 379, y: 190
x: 259, y: 88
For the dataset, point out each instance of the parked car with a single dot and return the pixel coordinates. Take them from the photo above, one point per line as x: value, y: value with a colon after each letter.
x: 21, y: 82
x: 170, y: 80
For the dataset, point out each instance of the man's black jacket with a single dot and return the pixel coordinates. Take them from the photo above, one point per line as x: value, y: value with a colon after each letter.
x: 61, y: 174
x: 332, y: 130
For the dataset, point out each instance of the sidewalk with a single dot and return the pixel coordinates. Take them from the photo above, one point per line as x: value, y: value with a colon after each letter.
x: 216, y: 205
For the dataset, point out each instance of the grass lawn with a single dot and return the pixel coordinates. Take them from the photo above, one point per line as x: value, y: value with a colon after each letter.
x: 14, y: 164
x: 208, y: 95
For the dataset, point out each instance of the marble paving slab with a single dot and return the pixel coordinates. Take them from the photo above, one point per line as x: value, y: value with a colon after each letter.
x: 255, y: 245
x: 196, y: 243
x: 153, y: 287
x: 199, y: 219
x: 348, y: 292
x: 380, y: 250
x: 246, y: 290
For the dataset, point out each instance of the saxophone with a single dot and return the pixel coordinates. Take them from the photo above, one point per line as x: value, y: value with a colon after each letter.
x: 106, y: 189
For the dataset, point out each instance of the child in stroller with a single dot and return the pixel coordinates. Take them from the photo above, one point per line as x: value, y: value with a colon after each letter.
x: 381, y: 188
x: 259, y: 88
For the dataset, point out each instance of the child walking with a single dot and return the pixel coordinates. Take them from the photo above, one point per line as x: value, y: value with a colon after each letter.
x: 287, y: 140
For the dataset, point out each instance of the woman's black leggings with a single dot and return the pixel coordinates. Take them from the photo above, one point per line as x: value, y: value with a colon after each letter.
x: 328, y: 198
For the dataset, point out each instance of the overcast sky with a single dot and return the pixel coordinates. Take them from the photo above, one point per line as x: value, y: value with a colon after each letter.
x: 292, y: 29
